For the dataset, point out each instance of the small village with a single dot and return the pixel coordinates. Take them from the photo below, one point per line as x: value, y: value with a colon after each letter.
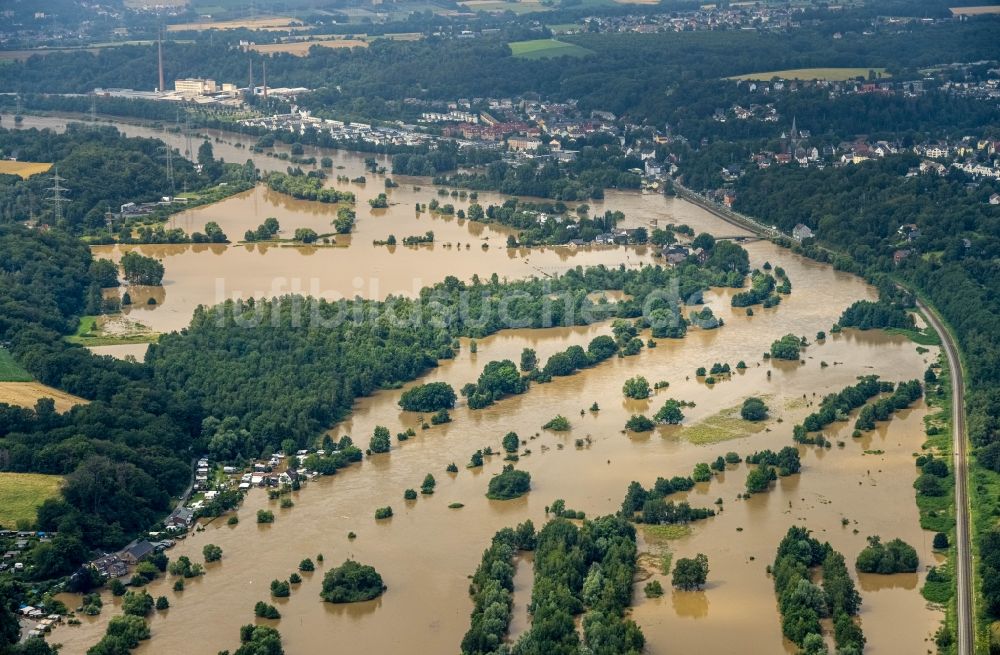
x: 216, y: 489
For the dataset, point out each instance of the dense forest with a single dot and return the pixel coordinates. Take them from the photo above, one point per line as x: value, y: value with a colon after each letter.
x: 253, y: 360
x: 584, y: 571
x: 123, y: 454
x: 803, y: 603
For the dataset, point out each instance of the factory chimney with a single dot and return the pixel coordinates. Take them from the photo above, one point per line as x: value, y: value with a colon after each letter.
x: 265, y: 80
x: 159, y: 50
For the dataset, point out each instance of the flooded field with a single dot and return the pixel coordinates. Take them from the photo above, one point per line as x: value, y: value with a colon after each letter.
x: 426, y: 552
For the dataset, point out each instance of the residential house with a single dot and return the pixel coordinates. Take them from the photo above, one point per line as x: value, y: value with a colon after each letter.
x: 180, y: 519
x: 802, y: 232
x: 909, y: 231
x: 110, y: 566
x: 937, y: 152
x: 900, y: 255
x: 995, y: 199
x: 675, y: 253
x: 523, y: 144
x: 137, y: 551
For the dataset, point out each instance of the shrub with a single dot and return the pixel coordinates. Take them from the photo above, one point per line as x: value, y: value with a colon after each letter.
x: 137, y: 603
x: 212, y: 553
x: 383, y: 512
x: 702, y: 472
x: 558, y: 424
x: 895, y: 556
x: 510, y: 483
x: 380, y: 441
x: 690, y: 573
x: 787, y: 347
x: 653, y: 589
x: 669, y: 413
x: 266, y: 611
x: 636, y: 388
x: 351, y: 582
x: 753, y: 409
x: 639, y: 423
x: 429, y: 397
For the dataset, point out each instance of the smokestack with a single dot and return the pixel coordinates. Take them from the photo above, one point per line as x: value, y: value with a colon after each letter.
x: 265, y: 79
x: 250, y: 86
x: 159, y: 49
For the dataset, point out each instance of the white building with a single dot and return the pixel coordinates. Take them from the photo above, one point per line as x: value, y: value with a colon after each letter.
x: 195, y: 87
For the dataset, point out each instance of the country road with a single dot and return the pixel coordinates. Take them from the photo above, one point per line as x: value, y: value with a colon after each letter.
x: 963, y: 546
x: 965, y: 610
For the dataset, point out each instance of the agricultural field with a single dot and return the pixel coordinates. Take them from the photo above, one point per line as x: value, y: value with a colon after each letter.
x: 11, y: 371
x: 544, y: 48
x: 26, y: 394
x: 976, y: 11
x: 398, y: 36
x: 152, y: 4
x: 565, y: 28
x: 834, y: 74
x: 519, y: 7
x: 22, y: 493
x: 23, y: 168
x: 301, y: 48
x: 275, y: 23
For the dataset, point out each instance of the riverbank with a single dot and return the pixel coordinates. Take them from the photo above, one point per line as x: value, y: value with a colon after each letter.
x: 961, y: 621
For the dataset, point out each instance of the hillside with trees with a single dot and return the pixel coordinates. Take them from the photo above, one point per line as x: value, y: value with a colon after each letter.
x: 102, y: 170
x: 126, y: 452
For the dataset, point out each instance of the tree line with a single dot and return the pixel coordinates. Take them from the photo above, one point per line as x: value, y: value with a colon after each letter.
x: 803, y: 603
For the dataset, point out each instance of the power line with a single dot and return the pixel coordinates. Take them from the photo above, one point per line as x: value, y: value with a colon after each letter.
x: 187, y: 137
x: 57, y: 198
x: 169, y: 156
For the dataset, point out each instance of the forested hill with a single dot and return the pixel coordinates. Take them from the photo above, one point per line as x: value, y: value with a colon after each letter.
x: 860, y: 208
x: 860, y: 211
x: 629, y: 74
x: 103, y: 169
x: 125, y: 453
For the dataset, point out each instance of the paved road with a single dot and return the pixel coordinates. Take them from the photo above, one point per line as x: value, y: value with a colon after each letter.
x: 963, y: 565
x: 965, y: 639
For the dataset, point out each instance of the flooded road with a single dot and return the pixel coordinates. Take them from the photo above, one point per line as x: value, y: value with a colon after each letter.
x: 426, y: 552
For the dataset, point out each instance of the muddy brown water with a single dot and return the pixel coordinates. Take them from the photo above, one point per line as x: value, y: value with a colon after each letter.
x: 426, y: 551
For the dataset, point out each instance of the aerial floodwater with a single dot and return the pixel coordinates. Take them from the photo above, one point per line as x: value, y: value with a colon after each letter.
x: 427, y: 551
